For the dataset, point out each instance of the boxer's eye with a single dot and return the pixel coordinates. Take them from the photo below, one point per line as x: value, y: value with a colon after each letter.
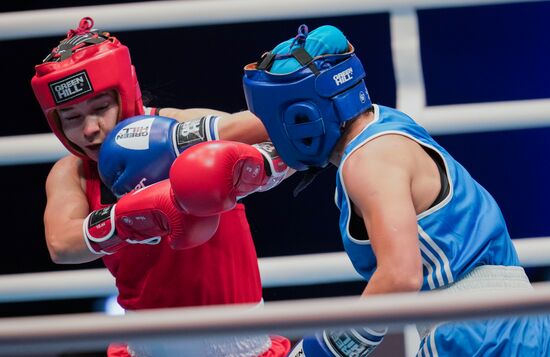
x: 71, y: 117
x: 102, y: 107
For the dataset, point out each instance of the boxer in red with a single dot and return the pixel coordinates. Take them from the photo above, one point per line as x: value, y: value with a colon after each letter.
x: 159, y: 255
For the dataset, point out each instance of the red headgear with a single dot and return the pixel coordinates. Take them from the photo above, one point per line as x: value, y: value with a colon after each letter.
x: 85, y: 64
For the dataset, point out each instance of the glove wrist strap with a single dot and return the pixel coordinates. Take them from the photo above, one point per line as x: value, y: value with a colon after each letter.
x: 192, y: 132
x: 353, y: 342
x: 275, y: 168
x: 100, y: 233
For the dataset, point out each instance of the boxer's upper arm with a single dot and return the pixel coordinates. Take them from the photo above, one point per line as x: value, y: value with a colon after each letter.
x: 66, y: 208
x: 378, y: 180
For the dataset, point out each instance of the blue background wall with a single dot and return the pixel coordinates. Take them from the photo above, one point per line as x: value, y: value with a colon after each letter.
x: 469, y: 55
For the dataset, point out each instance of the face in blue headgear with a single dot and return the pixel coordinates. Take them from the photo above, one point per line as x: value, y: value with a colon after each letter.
x: 304, y: 91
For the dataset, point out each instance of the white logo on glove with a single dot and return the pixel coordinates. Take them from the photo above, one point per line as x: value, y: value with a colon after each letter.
x: 135, y: 136
x: 141, y: 184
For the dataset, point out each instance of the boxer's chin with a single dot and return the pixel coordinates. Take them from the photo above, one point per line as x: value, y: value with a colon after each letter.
x: 92, y: 153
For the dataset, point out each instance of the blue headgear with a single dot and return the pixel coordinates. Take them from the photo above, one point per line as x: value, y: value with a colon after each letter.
x: 304, y: 110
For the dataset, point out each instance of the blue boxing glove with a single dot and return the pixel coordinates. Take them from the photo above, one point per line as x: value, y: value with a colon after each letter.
x: 340, y: 343
x: 140, y: 150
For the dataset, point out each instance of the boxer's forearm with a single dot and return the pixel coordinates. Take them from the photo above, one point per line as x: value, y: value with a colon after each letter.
x: 386, y: 282
x: 244, y: 127
x: 66, y: 244
x: 189, y: 114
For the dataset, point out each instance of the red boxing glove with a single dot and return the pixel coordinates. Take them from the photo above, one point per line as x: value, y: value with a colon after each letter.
x: 142, y: 217
x: 221, y: 172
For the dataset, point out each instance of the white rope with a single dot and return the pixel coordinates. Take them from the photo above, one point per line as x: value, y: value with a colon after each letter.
x: 21, y: 336
x: 57, y: 285
x: 407, y: 64
x: 30, y: 149
x: 479, y: 117
x: 275, y: 272
x: 166, y: 14
x: 289, y: 318
x: 445, y: 119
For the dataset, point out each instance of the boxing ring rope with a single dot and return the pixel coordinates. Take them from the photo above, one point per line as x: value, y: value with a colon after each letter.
x: 166, y: 14
x: 290, y: 318
x: 444, y: 119
x: 447, y: 119
x: 21, y: 336
x: 275, y: 272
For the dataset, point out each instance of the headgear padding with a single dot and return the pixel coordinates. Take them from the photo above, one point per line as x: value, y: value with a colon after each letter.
x: 85, y: 64
x: 304, y: 110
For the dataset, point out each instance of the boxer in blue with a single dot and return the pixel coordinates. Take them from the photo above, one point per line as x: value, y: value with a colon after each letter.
x: 412, y: 218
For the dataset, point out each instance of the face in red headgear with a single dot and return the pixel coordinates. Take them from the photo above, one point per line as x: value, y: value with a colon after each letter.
x: 84, y: 65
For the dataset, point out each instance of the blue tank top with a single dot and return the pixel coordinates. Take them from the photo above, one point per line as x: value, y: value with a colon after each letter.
x: 466, y: 229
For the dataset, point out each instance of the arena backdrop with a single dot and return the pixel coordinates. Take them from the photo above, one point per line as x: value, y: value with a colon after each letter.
x: 475, y: 54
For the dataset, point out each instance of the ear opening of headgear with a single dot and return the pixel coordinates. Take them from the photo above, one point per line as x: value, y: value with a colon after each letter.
x: 304, y: 110
x: 84, y: 64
